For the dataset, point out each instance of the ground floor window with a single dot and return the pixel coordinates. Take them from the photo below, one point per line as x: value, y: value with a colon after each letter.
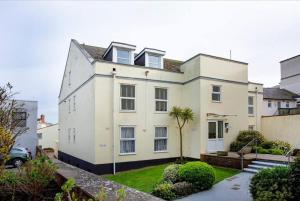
x: 161, y: 139
x: 251, y: 127
x: 127, y: 140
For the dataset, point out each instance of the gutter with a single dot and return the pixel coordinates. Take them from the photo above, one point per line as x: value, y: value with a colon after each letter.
x: 113, y: 120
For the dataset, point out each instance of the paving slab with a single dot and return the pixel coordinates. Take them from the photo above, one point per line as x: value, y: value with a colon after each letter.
x: 235, y: 188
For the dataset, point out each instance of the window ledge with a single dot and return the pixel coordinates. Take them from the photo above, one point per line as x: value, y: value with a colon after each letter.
x: 251, y: 115
x: 216, y: 101
x: 127, y: 111
x: 125, y: 154
x: 161, y: 112
x: 157, y: 152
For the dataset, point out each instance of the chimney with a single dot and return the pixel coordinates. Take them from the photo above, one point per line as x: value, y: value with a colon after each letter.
x: 42, y: 119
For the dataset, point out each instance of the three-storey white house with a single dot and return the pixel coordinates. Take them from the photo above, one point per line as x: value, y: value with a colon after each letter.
x: 114, y: 105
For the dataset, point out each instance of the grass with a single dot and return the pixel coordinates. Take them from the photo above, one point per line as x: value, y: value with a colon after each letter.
x: 144, y: 179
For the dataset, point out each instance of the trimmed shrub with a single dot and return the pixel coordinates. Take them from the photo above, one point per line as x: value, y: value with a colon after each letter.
x: 200, y: 174
x: 164, y: 191
x: 170, y: 173
x: 284, y: 146
x: 272, y: 184
x: 244, y: 138
x: 247, y: 135
x: 262, y: 150
x: 183, y: 188
x: 236, y: 146
x: 295, y: 178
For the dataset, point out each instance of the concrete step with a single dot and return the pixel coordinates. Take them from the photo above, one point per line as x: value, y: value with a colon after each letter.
x: 251, y: 170
x: 257, y: 166
x: 268, y: 164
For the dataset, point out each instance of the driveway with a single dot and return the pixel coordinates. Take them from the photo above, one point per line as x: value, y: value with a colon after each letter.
x: 235, y: 188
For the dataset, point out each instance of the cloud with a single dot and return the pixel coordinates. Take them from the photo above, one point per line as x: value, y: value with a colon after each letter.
x: 35, y: 36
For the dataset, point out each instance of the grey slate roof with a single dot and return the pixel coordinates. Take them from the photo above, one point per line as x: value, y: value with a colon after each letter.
x: 278, y: 94
x: 97, y: 53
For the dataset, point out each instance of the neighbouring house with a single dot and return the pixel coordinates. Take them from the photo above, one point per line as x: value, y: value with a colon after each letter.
x: 114, y: 105
x: 27, y: 116
x: 276, y: 98
x: 290, y: 74
x: 285, y: 98
x: 47, y: 134
x: 48, y: 137
x: 41, y: 122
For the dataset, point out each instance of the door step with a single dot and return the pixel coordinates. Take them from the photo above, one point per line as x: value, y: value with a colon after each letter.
x: 257, y: 166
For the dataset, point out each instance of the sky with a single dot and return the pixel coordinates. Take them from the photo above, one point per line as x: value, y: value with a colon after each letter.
x: 35, y: 37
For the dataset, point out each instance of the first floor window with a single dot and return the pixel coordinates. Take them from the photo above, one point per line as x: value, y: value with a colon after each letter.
x: 161, y: 139
x: 278, y: 104
x: 298, y: 104
x: 127, y: 140
x: 161, y: 99
x: 250, y: 105
x: 20, y: 118
x: 216, y: 93
x: 74, y: 135
x: 127, y: 95
x: 40, y: 135
x: 74, y: 103
x: 269, y: 103
x: 69, y: 135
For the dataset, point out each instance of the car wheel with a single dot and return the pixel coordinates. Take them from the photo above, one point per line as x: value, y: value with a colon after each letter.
x: 17, y: 162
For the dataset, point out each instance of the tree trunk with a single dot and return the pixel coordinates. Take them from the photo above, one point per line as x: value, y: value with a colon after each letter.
x: 181, y: 157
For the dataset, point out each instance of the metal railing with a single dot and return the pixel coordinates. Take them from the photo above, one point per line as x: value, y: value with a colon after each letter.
x: 242, y: 153
x: 290, y: 152
x: 288, y: 111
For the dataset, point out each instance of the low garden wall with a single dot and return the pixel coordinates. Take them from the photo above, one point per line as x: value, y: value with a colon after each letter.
x: 225, y: 161
x: 284, y: 128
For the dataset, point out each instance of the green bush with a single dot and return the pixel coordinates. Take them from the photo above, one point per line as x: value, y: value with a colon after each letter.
x: 267, y: 145
x: 295, y: 178
x: 164, y: 191
x: 236, y: 146
x: 183, y: 188
x: 272, y: 184
x: 244, y: 138
x: 261, y: 150
x: 170, y: 173
x: 247, y: 135
x: 200, y: 174
x: 276, y: 151
x: 285, y: 146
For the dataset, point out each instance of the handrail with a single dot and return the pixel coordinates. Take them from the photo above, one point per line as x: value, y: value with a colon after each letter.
x: 289, y: 154
x: 242, y: 154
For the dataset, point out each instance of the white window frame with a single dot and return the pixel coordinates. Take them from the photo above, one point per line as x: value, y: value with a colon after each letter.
x: 69, y: 105
x: 161, y: 138
x: 218, y: 93
x: 251, y: 106
x: 251, y: 127
x: 132, y: 98
x: 278, y: 104
x: 129, y: 56
x: 162, y: 100
x: 128, y: 139
x: 74, y: 135
x: 269, y: 103
x: 74, y: 103
x: 69, y: 78
x: 150, y: 64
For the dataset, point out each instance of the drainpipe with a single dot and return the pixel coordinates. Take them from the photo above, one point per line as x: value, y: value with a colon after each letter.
x: 256, y: 113
x: 113, y: 119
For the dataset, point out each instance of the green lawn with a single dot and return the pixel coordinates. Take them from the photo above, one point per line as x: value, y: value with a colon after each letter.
x: 144, y: 179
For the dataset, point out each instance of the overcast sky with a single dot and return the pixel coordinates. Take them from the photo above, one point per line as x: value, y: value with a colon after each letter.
x: 35, y: 36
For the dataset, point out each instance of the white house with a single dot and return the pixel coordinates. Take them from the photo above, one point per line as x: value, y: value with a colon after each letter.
x: 114, y: 105
x: 48, y: 137
x: 27, y: 118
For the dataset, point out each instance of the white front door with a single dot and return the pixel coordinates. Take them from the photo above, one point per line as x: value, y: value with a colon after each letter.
x: 215, y: 136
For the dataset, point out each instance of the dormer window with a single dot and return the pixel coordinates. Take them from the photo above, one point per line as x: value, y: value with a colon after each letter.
x: 123, y: 56
x: 154, y: 61
x: 120, y: 53
x: 149, y: 57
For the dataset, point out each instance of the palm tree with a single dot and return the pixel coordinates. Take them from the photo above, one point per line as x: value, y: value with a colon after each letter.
x: 182, y: 116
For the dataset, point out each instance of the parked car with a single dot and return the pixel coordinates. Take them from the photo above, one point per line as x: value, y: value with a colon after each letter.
x: 18, y: 156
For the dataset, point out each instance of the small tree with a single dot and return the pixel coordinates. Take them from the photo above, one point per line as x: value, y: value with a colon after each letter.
x: 182, y: 116
x: 9, y: 119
